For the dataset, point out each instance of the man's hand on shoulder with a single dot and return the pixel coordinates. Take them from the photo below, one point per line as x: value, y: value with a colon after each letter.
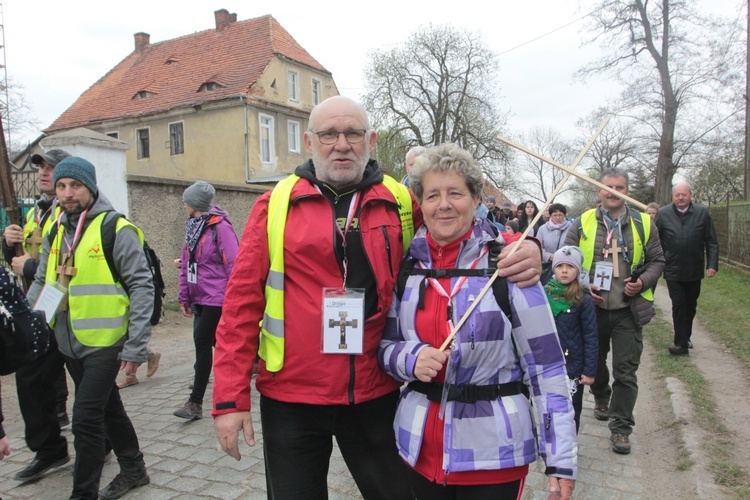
x: 228, y: 425
x: 524, y: 267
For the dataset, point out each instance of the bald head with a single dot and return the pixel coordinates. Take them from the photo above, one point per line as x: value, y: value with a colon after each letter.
x: 341, y: 163
x: 337, y: 106
x: 682, y: 195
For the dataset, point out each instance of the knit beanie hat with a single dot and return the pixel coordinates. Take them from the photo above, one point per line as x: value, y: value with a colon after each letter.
x: 199, y: 196
x: 75, y: 167
x: 512, y: 224
x: 568, y: 255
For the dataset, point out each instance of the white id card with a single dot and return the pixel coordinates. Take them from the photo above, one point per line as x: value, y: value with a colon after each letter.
x: 603, y: 275
x: 343, y: 320
x: 49, y: 299
x: 192, y: 272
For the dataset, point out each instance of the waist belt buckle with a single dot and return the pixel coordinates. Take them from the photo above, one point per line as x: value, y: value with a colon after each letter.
x: 469, y: 394
x: 454, y: 392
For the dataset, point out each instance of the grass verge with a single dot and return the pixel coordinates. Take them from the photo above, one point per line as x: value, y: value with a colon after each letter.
x: 718, y: 446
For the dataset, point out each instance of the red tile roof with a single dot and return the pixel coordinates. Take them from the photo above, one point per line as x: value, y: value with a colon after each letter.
x: 234, y: 59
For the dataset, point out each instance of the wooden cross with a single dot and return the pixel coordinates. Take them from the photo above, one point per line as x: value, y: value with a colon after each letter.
x: 64, y: 273
x: 35, y: 240
x: 615, y: 250
x: 343, y: 323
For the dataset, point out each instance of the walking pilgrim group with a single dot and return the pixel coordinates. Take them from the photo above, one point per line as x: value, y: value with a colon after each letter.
x: 359, y: 302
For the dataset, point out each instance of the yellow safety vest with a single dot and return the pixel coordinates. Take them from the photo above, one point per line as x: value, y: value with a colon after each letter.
x: 31, y: 224
x: 271, y: 348
x: 97, y: 305
x: 587, y: 241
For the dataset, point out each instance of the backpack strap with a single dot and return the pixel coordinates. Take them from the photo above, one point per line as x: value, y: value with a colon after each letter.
x: 499, y: 286
x: 109, y: 231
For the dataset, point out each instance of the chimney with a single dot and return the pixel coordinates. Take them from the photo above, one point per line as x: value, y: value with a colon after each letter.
x: 142, y: 41
x: 224, y: 19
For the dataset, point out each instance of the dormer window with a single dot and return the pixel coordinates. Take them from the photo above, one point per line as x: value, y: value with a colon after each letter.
x: 209, y: 86
x: 172, y: 60
x: 142, y: 94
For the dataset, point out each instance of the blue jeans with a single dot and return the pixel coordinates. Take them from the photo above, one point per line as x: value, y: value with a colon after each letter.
x: 98, y: 412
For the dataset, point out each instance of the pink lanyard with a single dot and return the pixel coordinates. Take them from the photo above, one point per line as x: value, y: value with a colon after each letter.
x: 342, y: 233
x: 76, y: 236
x: 434, y: 283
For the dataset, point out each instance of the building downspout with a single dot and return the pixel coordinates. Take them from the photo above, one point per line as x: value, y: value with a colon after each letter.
x: 247, y: 153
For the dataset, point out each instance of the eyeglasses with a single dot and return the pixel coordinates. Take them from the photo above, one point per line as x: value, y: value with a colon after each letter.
x: 354, y: 136
x: 558, y: 214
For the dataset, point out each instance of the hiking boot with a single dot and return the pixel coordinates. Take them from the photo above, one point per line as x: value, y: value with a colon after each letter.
x: 124, y: 482
x: 620, y: 443
x: 127, y: 381
x: 690, y: 344
x: 153, y: 363
x: 39, y: 466
x: 191, y: 411
x: 678, y: 351
x: 601, y: 411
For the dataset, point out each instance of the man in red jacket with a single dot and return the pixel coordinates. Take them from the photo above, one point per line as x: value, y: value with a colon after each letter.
x: 342, y: 231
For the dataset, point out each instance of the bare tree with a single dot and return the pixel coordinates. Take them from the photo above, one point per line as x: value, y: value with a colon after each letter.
x: 536, y: 178
x: 18, y: 118
x: 718, y: 178
x: 667, y: 57
x: 440, y: 86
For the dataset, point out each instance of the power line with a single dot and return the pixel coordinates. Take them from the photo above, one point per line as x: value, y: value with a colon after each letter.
x: 546, y: 34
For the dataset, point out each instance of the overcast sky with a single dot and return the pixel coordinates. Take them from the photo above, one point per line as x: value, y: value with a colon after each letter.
x: 58, y: 49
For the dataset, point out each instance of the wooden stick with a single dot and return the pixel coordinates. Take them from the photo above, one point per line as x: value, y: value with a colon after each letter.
x: 581, y: 176
x: 529, y: 228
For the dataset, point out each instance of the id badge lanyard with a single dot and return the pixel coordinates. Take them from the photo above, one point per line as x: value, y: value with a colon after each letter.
x: 343, y: 232
x: 343, y: 308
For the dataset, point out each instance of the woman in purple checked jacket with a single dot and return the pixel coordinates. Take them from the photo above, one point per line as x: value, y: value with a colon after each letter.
x: 480, y: 442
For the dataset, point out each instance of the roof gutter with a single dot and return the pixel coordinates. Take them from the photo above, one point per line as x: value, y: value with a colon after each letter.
x: 247, y: 153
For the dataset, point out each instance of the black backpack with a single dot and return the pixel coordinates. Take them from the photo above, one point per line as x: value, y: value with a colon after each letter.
x: 24, y: 334
x: 499, y: 286
x: 109, y: 227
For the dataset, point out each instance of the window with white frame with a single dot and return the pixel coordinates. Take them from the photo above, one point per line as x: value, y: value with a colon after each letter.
x: 293, y: 80
x: 293, y: 129
x: 143, y: 143
x: 176, y: 139
x: 266, y: 139
x: 316, y: 89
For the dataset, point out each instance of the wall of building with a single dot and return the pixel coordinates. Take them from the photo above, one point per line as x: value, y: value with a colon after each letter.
x: 156, y: 208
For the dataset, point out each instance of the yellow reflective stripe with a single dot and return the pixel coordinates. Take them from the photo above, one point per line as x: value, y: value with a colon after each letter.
x: 98, y: 323
x: 275, y: 280
x: 85, y: 290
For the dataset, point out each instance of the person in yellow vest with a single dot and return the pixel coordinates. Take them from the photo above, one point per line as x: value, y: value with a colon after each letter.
x: 100, y: 325
x: 318, y: 263
x: 44, y: 411
x: 624, y: 259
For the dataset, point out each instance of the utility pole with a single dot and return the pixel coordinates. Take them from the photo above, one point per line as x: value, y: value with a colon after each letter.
x: 747, y: 106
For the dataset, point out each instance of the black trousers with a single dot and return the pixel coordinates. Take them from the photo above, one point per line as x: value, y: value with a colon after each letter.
x: 98, y: 412
x: 297, y: 445
x: 204, y: 337
x: 38, y: 393
x: 684, y: 295
x: 424, y: 489
x: 578, y: 405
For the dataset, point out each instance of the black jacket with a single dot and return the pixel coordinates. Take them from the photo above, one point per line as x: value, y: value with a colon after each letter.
x: 687, y: 240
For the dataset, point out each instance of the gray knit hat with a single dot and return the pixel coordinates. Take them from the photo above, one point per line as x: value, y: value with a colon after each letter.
x: 53, y: 157
x: 568, y: 255
x: 199, y: 196
x: 75, y: 167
